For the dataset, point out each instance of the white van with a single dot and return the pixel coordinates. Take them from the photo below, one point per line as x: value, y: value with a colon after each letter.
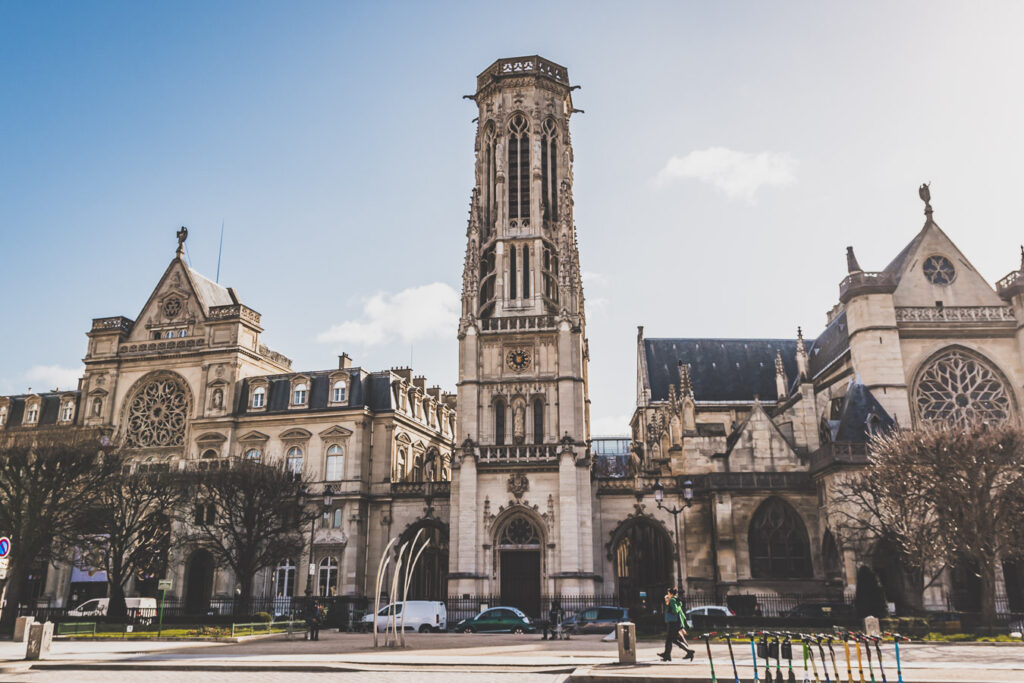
x: 143, y: 608
x: 420, y: 615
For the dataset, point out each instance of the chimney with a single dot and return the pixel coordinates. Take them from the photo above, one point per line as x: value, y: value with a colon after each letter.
x: 404, y: 373
x: 420, y: 383
x: 344, y: 361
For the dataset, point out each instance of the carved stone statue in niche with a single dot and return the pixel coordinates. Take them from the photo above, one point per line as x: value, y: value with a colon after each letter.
x: 518, y: 423
x: 218, y: 399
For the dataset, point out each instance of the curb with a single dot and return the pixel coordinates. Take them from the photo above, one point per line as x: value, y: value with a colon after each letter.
x: 567, y: 671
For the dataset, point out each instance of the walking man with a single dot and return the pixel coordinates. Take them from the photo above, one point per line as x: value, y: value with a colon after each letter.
x: 675, y: 621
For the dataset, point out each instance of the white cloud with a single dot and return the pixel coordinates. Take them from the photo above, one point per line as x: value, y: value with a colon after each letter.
x: 46, y: 377
x: 424, y: 312
x: 610, y: 425
x: 737, y: 174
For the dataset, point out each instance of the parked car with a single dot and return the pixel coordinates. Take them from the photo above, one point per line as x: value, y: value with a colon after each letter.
x: 497, y: 619
x: 143, y: 609
x: 420, y: 615
x: 600, y: 619
x: 821, y: 610
x: 710, y: 611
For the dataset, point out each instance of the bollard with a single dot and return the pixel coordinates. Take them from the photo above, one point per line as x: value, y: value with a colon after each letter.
x: 625, y: 634
x: 40, y: 635
x: 21, y: 626
x: 871, y: 626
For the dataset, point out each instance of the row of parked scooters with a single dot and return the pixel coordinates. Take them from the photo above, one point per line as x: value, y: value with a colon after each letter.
x: 769, y: 645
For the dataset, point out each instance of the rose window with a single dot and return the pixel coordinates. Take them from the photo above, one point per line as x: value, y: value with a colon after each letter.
x: 520, y: 531
x: 959, y: 386
x: 157, y: 414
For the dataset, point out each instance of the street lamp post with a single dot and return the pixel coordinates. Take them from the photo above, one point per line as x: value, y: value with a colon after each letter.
x: 328, y: 497
x: 659, y: 497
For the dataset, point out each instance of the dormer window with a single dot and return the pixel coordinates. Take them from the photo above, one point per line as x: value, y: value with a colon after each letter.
x: 67, y: 411
x: 259, y: 397
x: 32, y: 414
x: 299, y: 394
x: 3, y: 415
x: 340, y: 392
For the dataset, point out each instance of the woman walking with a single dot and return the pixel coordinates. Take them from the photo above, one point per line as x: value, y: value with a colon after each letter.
x: 675, y: 626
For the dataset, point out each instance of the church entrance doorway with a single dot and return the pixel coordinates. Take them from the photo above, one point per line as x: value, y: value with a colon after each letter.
x: 518, y: 543
x: 198, y: 582
x: 643, y: 562
x: 520, y: 580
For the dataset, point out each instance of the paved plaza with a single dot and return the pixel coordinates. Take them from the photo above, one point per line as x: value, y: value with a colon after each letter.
x: 455, y: 658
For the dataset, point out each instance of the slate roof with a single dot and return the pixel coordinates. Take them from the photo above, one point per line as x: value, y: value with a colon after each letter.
x: 896, y: 265
x: 859, y: 405
x: 371, y: 391
x: 209, y: 292
x: 49, y: 408
x: 829, y: 345
x: 720, y: 369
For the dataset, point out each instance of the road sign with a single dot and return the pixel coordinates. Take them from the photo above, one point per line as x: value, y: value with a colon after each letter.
x: 164, y: 585
x: 5, y: 546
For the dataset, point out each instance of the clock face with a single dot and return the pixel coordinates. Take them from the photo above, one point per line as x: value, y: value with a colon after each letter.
x: 518, y: 360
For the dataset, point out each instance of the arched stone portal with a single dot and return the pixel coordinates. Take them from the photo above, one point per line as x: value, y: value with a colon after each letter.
x: 430, y: 578
x: 518, y: 543
x: 642, y: 555
x: 198, y: 582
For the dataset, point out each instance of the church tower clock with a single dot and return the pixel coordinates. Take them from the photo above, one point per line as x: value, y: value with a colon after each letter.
x: 521, y: 521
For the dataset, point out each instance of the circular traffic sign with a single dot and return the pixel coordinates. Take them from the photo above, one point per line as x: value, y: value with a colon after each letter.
x: 5, y: 546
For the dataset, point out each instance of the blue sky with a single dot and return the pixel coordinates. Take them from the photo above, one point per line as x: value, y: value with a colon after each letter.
x: 728, y: 154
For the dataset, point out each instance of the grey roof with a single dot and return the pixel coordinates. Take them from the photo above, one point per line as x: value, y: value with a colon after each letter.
x: 209, y: 292
x: 720, y: 369
x: 896, y: 265
x: 49, y: 408
x: 829, y: 345
x: 364, y: 391
x: 859, y: 407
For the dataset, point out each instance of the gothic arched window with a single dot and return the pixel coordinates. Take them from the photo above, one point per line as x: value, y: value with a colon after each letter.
x: 538, y: 420
x: 778, y: 542
x: 499, y: 422
x: 526, y: 271
x: 958, y: 386
x: 513, y: 268
x: 489, y: 169
x: 518, y: 167
x: 157, y: 414
x: 549, y: 169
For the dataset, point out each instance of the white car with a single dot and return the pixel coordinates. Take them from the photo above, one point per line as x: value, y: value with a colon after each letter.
x: 142, y: 608
x: 420, y: 615
x: 710, y: 610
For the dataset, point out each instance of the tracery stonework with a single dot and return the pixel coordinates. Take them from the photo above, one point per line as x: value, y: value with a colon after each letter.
x: 959, y: 386
x: 157, y: 414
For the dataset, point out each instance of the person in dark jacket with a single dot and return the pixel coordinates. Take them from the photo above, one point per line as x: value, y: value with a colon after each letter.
x: 313, y: 621
x: 675, y: 620
x: 554, y: 619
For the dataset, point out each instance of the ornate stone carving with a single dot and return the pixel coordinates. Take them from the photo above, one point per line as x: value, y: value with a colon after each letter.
x: 157, y: 414
x: 958, y: 386
x: 518, y: 484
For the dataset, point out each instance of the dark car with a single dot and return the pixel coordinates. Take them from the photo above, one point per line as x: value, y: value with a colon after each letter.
x: 600, y: 619
x: 821, y: 610
x: 497, y: 619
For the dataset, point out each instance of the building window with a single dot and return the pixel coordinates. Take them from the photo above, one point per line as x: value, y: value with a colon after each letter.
x: 284, y: 579
x: 328, y: 583
x: 259, y: 396
x: 67, y: 411
x: 209, y: 454
x: 331, y: 519
x: 3, y: 415
x: 334, y: 462
x: 97, y: 407
x: 513, y: 271
x: 518, y: 168
x: 538, y: 420
x: 32, y: 414
x: 157, y: 414
x: 204, y: 514
x: 293, y: 462
x: 299, y: 394
x: 549, y: 169
x: 340, y: 392
x: 499, y: 422
x: 779, y: 548
x: 959, y: 386
x: 526, y: 272
x: 253, y: 455
x: 488, y: 184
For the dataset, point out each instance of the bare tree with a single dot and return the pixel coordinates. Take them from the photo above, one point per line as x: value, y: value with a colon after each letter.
x: 46, y: 485
x: 126, y: 532
x: 945, y: 491
x: 248, y: 516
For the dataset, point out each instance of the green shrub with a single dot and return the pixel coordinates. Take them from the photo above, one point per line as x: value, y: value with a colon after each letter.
x: 265, y: 617
x: 870, y: 598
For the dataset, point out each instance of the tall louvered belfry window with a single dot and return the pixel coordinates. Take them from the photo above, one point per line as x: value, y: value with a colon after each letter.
x: 488, y: 186
x: 518, y: 168
x: 549, y: 169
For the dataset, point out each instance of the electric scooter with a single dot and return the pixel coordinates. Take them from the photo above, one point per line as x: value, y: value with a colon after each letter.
x: 735, y: 674
x: 706, y: 637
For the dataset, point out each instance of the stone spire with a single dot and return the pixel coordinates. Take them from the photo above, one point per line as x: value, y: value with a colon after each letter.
x: 801, y: 355
x: 685, y: 387
x: 851, y: 262
x: 781, y: 384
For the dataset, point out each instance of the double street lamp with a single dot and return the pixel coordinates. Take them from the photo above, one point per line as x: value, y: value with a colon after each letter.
x: 304, y: 496
x: 659, y: 497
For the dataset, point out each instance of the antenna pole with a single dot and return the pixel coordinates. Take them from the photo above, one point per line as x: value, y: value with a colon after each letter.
x: 220, y: 249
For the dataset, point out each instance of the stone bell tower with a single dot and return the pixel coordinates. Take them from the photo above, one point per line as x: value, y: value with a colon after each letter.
x: 521, y: 501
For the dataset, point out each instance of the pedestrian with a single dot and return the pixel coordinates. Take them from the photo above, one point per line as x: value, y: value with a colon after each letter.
x: 554, y: 620
x: 313, y: 621
x: 675, y: 623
